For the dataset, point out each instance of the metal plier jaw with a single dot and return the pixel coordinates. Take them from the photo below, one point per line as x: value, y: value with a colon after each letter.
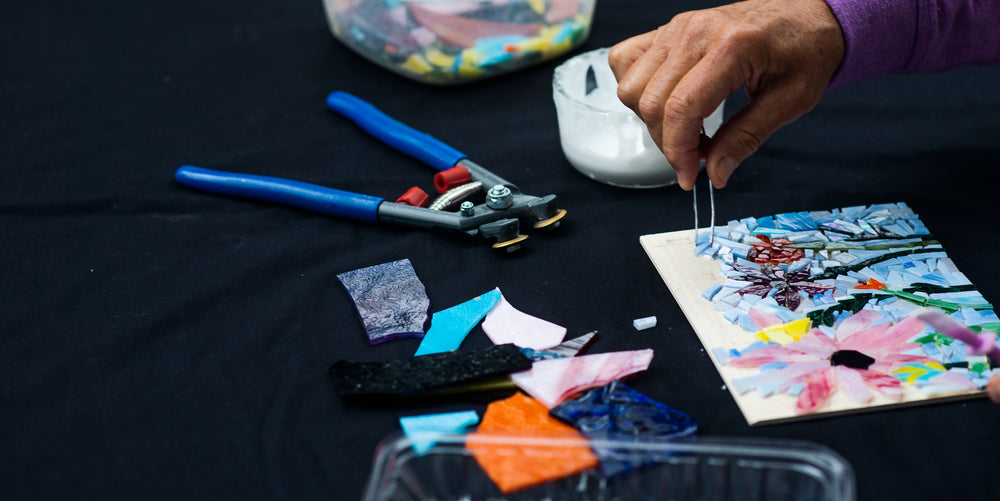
x: 497, y: 217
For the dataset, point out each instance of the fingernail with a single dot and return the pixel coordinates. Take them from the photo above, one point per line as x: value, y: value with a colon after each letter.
x: 725, y: 168
x: 685, y: 183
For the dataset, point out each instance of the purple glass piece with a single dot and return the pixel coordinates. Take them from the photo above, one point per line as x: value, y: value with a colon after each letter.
x: 391, y: 301
x: 979, y: 344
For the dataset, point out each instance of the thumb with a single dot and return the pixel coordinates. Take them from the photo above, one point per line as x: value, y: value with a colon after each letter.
x: 747, y: 130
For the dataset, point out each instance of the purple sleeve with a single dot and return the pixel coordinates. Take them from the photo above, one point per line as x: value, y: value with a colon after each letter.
x: 907, y: 36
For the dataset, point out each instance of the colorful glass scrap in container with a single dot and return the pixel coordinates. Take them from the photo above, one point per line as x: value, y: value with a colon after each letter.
x: 810, y: 313
x: 391, y: 301
x: 443, y: 41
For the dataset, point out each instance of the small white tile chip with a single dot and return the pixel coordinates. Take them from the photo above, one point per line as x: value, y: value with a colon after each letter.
x: 644, y: 323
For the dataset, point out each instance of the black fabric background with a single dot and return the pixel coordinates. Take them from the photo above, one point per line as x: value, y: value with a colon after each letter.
x: 162, y: 343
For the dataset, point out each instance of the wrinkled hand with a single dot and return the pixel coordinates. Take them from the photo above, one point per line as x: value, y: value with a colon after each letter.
x: 784, y: 51
x: 993, y: 389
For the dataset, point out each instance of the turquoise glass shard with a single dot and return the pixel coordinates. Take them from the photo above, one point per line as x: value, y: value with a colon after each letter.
x: 449, y: 327
x: 417, y: 375
x: 426, y: 425
x: 619, y: 412
x: 390, y: 300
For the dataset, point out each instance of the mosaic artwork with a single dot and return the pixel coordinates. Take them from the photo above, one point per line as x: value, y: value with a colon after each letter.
x: 809, y: 314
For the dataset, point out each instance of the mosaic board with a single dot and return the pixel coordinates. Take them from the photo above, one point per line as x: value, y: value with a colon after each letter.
x: 811, y: 314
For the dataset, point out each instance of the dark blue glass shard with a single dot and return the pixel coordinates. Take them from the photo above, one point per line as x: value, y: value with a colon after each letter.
x: 619, y: 412
x: 391, y: 301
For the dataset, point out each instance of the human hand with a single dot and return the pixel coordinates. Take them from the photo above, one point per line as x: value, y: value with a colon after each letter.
x: 993, y: 389
x: 784, y: 51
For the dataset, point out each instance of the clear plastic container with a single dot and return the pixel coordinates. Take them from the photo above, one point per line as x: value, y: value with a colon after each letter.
x: 455, y: 41
x: 600, y: 136
x: 729, y: 469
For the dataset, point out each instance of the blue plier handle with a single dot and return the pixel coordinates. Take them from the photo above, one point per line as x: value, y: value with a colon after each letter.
x: 493, y: 220
x: 419, y: 145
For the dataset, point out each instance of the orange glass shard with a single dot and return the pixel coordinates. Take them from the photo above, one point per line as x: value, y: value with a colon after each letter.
x: 517, y: 466
x: 871, y: 283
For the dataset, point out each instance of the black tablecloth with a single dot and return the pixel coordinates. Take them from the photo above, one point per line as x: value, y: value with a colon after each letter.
x: 158, y: 342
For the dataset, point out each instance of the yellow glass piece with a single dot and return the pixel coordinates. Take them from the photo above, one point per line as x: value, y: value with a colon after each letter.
x: 785, y: 333
x: 534, y: 44
x: 471, y: 56
x: 537, y: 6
x: 468, y: 64
x: 912, y: 373
x: 417, y: 64
x: 439, y: 59
x: 549, y: 32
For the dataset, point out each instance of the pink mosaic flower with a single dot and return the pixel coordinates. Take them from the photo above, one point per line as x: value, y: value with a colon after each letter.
x: 857, y: 360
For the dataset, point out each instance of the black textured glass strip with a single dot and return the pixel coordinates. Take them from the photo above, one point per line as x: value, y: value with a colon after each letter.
x: 426, y: 372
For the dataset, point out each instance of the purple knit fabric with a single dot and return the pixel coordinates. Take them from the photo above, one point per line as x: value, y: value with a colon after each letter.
x: 907, y: 36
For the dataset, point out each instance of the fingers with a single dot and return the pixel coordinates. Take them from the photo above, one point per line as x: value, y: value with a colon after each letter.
x: 648, y: 67
x: 784, y: 51
x: 698, y: 93
x: 743, y: 134
x: 634, y: 65
x: 993, y: 389
x: 623, y: 55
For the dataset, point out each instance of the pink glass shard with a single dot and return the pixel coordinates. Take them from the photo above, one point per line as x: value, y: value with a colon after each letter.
x: 853, y: 385
x: 949, y: 382
x: 552, y: 381
x: 887, y: 385
x: 768, y: 354
x: 763, y: 319
x: 856, y: 322
x: 505, y: 324
x: 818, y: 389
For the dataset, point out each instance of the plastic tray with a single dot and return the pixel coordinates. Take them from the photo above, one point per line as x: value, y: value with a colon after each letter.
x: 728, y: 469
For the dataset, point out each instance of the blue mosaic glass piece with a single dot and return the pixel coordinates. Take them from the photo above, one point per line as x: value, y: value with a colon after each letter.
x: 390, y: 300
x: 618, y: 412
x: 450, y: 327
x: 420, y: 428
x: 795, y: 221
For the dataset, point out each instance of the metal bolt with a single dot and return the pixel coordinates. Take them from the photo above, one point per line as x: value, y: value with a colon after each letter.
x: 499, y: 197
x: 467, y: 208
